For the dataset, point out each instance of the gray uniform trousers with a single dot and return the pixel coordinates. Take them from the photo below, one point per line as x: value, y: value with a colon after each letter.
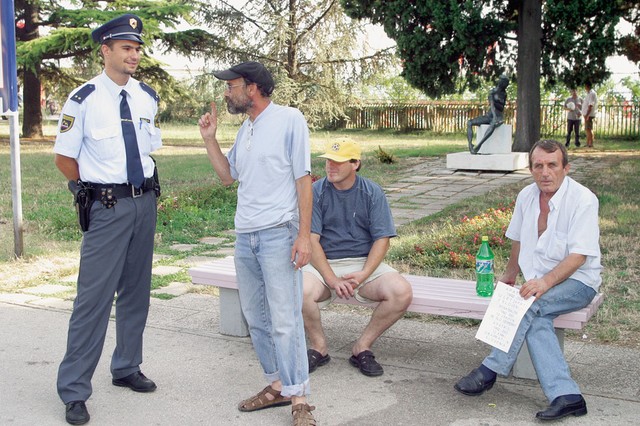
x: 116, y: 258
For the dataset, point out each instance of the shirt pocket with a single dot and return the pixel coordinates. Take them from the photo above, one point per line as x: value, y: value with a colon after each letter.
x: 107, y: 142
x: 558, y: 248
x: 149, y: 137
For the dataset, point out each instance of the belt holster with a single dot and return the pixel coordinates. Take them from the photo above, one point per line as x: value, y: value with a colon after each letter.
x: 82, y: 200
x: 156, y: 179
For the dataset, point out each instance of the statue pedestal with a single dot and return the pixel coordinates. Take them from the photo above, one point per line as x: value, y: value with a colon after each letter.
x: 496, y: 162
x: 498, y: 143
x: 494, y: 154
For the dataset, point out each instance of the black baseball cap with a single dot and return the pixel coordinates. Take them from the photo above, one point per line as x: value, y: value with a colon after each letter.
x: 252, y: 71
x: 124, y: 27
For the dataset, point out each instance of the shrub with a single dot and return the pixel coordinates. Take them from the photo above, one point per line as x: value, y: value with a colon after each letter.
x: 454, y: 244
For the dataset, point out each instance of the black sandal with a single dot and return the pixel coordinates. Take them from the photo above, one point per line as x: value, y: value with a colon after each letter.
x: 316, y: 359
x: 367, y: 364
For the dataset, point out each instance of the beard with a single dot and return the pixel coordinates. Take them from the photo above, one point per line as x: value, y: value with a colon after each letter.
x: 238, y: 106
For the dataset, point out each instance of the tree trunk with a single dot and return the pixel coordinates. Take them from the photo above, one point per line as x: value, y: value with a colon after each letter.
x: 31, y: 95
x: 31, y: 100
x: 528, y: 70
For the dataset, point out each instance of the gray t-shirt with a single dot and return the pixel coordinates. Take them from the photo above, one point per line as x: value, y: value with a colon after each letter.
x: 574, y: 114
x: 269, y: 155
x: 350, y: 221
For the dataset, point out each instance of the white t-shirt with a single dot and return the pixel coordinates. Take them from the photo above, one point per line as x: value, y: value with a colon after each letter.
x: 590, y: 99
x: 268, y: 156
x: 572, y: 227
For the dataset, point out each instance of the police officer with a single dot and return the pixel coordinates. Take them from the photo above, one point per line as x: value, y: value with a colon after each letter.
x: 106, y: 131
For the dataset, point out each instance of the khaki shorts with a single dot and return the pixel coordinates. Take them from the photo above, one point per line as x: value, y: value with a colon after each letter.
x: 588, y: 123
x: 346, y: 266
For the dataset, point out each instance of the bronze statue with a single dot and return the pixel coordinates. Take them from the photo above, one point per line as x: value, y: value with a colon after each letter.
x: 497, y: 101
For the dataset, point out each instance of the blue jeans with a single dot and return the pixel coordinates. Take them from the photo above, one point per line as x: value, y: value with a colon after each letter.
x: 271, y: 299
x: 537, y: 328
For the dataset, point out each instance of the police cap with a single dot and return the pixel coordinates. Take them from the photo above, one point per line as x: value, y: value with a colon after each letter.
x: 125, y: 27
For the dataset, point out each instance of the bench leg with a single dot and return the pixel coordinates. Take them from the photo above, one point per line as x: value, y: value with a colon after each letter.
x: 232, y: 322
x: 523, y: 368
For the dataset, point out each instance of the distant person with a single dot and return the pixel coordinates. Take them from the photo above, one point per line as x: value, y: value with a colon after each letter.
x: 589, y: 110
x: 350, y: 234
x: 555, y: 244
x: 105, y: 135
x: 271, y: 161
x: 573, y: 105
x: 497, y: 101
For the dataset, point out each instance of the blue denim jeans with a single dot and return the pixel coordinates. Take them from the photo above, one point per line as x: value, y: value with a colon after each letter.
x: 271, y: 299
x: 537, y: 328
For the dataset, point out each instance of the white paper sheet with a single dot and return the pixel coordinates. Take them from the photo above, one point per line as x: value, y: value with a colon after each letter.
x: 503, y: 316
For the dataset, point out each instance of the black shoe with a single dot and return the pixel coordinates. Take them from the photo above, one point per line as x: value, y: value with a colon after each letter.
x: 577, y: 144
x: 561, y: 407
x: 473, y: 384
x: 567, y: 144
x: 367, y: 364
x: 316, y: 359
x: 76, y: 413
x: 136, y: 382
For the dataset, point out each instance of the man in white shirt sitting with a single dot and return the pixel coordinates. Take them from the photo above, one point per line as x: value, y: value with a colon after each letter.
x: 555, y: 244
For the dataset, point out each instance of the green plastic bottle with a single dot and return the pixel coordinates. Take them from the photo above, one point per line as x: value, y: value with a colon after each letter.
x: 484, y: 269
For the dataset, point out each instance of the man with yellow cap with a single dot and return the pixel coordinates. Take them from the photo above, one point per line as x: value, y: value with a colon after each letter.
x: 350, y: 232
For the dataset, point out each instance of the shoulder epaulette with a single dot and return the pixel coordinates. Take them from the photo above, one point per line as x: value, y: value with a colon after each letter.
x: 83, y: 92
x: 150, y: 91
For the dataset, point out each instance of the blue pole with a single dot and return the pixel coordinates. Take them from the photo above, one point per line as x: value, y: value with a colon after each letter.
x: 9, y: 80
x: 9, y: 107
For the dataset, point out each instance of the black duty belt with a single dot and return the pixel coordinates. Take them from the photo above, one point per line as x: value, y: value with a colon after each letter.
x: 109, y: 193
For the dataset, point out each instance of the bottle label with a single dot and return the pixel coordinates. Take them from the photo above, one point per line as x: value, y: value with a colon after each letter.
x: 484, y: 266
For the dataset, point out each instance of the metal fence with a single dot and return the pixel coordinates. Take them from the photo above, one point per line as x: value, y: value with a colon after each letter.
x: 622, y: 119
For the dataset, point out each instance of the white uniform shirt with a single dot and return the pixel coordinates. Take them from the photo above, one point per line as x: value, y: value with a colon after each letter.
x: 91, y: 131
x: 572, y: 227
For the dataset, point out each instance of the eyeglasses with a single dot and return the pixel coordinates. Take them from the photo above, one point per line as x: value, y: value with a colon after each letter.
x: 231, y: 86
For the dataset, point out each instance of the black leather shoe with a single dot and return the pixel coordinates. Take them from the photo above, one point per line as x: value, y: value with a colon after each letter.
x: 561, y: 407
x: 136, y: 382
x: 473, y: 384
x: 76, y: 413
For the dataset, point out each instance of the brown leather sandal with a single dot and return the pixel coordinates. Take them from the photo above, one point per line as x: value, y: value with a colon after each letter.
x: 302, y: 415
x: 260, y: 401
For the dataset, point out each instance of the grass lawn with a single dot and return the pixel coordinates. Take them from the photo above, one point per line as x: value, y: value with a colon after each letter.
x: 194, y: 205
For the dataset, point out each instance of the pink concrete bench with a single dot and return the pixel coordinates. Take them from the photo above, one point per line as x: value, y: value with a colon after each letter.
x: 434, y: 296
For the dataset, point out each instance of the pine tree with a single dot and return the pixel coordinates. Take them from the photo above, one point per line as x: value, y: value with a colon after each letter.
x: 57, y: 34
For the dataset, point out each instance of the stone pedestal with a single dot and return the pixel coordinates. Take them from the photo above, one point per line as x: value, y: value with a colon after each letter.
x: 495, y: 162
x: 494, y: 154
x: 523, y: 367
x: 232, y: 322
x: 498, y: 143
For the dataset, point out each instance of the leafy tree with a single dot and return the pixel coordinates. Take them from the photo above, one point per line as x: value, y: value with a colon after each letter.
x: 57, y: 33
x: 317, y: 54
x: 630, y: 43
x: 634, y: 88
x: 452, y: 45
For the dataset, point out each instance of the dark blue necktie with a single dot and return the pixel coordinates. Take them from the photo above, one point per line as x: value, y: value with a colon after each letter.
x: 135, y: 175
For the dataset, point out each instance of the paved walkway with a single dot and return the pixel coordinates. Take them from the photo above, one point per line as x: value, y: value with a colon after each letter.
x: 201, y: 374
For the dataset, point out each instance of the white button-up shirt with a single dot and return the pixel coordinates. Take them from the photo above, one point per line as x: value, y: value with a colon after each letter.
x: 572, y: 227
x: 91, y: 131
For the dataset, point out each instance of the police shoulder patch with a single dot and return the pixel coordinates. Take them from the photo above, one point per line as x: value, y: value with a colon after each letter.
x: 66, y: 123
x: 150, y: 91
x: 83, y: 92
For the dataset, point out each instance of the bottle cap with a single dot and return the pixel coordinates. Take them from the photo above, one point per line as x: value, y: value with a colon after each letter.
x: 485, y: 238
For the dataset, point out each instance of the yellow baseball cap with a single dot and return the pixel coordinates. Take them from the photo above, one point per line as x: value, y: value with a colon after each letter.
x: 342, y: 150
